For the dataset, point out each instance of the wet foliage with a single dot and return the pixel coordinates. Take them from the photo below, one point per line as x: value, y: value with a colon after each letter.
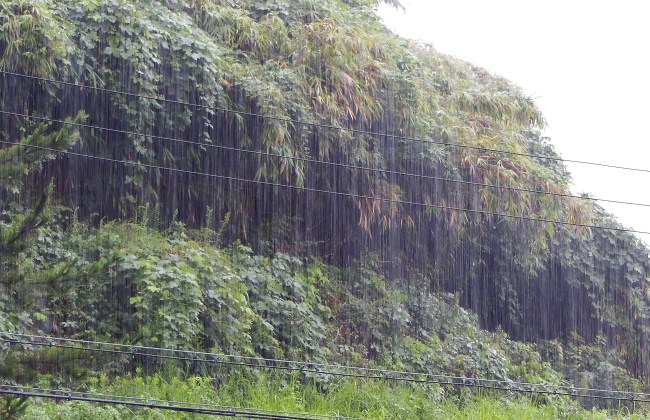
x: 290, y: 179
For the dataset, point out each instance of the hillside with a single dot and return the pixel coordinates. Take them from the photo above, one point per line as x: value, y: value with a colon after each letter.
x: 289, y: 180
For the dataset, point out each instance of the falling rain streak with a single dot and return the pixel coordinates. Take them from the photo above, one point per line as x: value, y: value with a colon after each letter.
x: 125, y: 218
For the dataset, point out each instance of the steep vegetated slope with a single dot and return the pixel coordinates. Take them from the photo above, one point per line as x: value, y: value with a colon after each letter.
x: 381, y: 184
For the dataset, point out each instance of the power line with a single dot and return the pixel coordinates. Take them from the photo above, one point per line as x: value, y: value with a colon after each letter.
x: 475, y: 382
x: 153, y: 403
x: 325, y: 126
x: 308, y: 160
x: 321, y: 191
x: 389, y: 200
x: 322, y: 368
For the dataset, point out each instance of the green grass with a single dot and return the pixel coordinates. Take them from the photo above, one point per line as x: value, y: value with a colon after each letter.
x: 370, y: 399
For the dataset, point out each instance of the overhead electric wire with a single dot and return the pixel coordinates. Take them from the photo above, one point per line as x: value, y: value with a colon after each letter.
x: 308, y: 160
x: 321, y: 191
x: 321, y: 125
x: 306, y: 367
x: 323, y: 368
x: 154, y: 403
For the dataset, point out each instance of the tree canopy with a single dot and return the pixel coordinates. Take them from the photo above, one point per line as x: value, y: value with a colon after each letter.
x: 371, y: 184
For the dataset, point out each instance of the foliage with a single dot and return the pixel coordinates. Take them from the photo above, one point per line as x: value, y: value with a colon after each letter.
x: 16, y: 161
x: 166, y: 289
x: 19, y: 220
x: 131, y: 284
x: 171, y: 291
x: 286, y: 296
x: 590, y: 365
x: 392, y: 250
x: 324, y: 62
x: 28, y: 154
x: 420, y: 331
x: 372, y: 400
x: 12, y: 407
x: 33, y: 36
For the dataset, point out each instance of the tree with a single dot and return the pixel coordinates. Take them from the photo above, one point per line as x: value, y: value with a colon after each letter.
x: 17, y: 219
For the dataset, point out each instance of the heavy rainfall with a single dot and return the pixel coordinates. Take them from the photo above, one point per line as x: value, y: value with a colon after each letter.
x: 281, y: 209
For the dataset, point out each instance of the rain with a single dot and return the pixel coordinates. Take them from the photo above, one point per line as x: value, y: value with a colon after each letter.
x: 295, y: 185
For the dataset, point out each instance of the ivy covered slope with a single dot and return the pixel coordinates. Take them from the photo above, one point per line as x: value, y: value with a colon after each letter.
x: 279, y: 152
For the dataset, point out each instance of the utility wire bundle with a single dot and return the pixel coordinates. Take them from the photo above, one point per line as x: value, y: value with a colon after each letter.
x: 158, y: 355
x: 316, y: 369
x: 154, y: 403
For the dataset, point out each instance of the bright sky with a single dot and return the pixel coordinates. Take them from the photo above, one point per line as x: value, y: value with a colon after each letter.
x: 587, y: 63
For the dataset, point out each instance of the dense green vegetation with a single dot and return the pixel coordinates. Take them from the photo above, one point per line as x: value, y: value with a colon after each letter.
x: 360, y: 400
x: 144, y: 220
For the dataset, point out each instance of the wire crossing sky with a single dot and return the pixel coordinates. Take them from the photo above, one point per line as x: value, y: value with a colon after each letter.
x: 338, y: 193
x: 584, y: 62
x: 314, y: 208
x: 309, y: 160
x: 331, y: 127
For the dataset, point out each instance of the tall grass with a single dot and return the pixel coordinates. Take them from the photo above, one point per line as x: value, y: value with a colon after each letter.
x: 351, y: 398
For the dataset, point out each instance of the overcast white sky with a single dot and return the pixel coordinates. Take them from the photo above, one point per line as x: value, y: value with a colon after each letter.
x: 587, y: 63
